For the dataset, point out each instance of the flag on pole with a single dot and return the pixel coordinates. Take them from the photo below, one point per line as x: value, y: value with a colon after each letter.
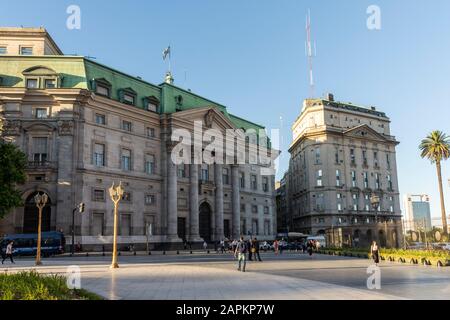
x: 166, y: 53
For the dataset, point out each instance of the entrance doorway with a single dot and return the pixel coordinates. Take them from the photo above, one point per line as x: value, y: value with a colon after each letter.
x: 31, y: 215
x: 205, y: 221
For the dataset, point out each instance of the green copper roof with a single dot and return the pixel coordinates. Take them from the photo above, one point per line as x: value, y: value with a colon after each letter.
x: 80, y: 72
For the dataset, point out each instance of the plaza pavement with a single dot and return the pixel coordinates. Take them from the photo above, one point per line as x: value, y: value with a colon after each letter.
x: 214, y: 277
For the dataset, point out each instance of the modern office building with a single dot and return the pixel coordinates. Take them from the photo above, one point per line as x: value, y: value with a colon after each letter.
x: 342, y: 179
x: 84, y: 125
x: 417, y: 212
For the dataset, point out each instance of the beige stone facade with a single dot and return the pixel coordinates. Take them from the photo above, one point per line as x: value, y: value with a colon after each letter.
x: 342, y: 156
x: 79, y: 141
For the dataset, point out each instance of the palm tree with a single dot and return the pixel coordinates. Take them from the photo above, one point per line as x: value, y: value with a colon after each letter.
x: 436, y: 147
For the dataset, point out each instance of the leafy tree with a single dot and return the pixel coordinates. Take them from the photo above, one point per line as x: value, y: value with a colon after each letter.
x: 12, y: 172
x: 436, y: 148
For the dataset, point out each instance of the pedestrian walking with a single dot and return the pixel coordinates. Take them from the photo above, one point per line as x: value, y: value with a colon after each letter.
x: 9, y: 252
x: 233, y: 245
x: 249, y: 249
x: 310, y: 247
x: 255, y: 248
x: 205, y: 245
x: 275, y: 246
x: 240, y: 252
x: 375, y: 253
x: 222, y: 246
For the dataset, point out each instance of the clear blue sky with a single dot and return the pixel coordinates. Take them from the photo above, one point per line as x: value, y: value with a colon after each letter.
x: 250, y: 56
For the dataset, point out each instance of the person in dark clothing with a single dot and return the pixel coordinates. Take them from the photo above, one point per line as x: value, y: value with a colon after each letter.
x: 249, y: 249
x: 375, y: 253
x: 255, y: 248
x: 310, y: 247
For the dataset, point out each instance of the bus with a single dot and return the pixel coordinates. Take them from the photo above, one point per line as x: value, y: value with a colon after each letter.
x: 52, y: 243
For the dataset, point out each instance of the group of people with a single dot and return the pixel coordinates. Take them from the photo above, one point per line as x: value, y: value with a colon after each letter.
x: 242, y: 248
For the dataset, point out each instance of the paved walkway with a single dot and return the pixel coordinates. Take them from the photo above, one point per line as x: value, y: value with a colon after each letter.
x: 192, y: 282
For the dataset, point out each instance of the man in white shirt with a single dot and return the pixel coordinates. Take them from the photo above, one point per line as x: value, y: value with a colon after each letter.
x: 9, y: 252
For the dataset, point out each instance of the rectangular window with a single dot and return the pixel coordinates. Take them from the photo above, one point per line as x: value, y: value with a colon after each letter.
x: 388, y: 161
x: 266, y: 228
x: 102, y: 90
x: 254, y: 209
x: 354, y: 179
x: 375, y: 159
x: 366, y: 180
x: 125, y: 226
x: 32, y: 83
x: 225, y: 176
x: 253, y: 181
x: 205, y: 173
x: 126, y: 197
x: 181, y: 171
x: 26, y: 51
x: 126, y: 160
x: 126, y: 125
x: 150, y: 199
x: 355, y: 201
x: 150, y: 132
x: 389, y: 179
x: 377, y: 181
x: 3, y: 50
x: 339, y: 206
x: 100, y: 119
x: 242, y: 207
x: 255, y: 226
x: 99, y: 155
x: 40, y: 149
x: 152, y: 106
x: 352, y: 156
x: 265, y: 184
x: 98, y: 226
x: 41, y: 113
x: 317, y: 155
x: 50, y: 83
x: 336, y: 156
x: 364, y: 155
x: 242, y: 180
x: 128, y: 98
x: 320, y: 202
x: 266, y: 210
x: 149, y: 164
x: 319, y: 178
x: 367, y: 202
x: 99, y: 195
x: 338, y: 178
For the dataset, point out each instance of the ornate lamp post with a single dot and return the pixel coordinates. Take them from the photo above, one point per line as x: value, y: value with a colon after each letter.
x: 41, y: 201
x: 116, y: 194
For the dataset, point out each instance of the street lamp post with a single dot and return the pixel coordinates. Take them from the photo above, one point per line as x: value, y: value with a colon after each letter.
x: 375, y: 202
x: 116, y: 194
x: 41, y: 201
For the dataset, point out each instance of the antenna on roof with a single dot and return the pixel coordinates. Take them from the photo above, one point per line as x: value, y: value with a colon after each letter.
x: 310, y: 54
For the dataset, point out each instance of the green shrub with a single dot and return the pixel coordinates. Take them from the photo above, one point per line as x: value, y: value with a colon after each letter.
x: 34, y: 286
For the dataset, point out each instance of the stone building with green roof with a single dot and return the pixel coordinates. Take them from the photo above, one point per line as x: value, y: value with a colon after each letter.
x: 84, y: 125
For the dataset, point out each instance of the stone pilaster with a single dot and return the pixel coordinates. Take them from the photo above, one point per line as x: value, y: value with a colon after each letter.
x: 172, y: 203
x: 236, y: 202
x: 194, y: 235
x: 218, y: 178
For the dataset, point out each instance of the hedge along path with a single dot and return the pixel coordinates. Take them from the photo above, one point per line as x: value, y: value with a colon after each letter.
x: 428, y: 258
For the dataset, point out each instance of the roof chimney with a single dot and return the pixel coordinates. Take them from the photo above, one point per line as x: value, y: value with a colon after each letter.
x: 330, y: 97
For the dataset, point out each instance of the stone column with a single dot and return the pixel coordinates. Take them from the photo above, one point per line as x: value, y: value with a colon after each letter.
x: 172, y: 203
x: 236, y: 223
x: 194, y: 235
x: 218, y: 179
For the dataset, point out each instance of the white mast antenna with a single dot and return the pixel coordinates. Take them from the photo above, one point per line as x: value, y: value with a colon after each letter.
x: 310, y: 54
